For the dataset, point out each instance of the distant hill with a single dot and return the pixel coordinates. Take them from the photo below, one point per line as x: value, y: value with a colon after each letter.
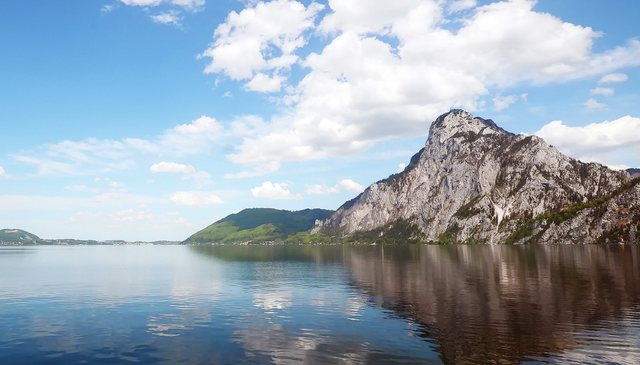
x: 259, y: 225
x: 18, y: 236
x: 634, y: 172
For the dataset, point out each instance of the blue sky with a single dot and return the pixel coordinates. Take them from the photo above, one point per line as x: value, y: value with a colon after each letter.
x: 150, y: 119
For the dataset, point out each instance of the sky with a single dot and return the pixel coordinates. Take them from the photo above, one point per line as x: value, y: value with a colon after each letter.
x: 151, y: 119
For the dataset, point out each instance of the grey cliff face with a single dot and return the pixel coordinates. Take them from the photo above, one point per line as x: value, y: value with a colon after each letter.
x: 477, y: 183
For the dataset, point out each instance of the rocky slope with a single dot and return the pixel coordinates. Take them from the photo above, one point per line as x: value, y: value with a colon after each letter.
x: 474, y: 182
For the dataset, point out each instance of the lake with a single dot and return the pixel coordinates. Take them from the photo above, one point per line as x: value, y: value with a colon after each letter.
x: 408, y: 304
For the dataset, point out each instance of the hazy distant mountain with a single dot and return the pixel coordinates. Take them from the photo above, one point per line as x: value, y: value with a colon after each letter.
x: 474, y: 182
x: 18, y: 236
x: 12, y: 237
x: 634, y: 172
x: 260, y: 225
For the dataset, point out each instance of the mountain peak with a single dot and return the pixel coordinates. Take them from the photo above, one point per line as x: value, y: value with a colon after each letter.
x: 460, y: 122
x: 474, y: 182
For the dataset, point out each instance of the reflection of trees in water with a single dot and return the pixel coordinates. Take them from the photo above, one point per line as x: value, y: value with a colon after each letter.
x: 499, y: 304
x: 272, y: 253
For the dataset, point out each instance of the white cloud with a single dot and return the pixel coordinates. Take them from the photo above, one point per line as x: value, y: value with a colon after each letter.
x: 274, y: 192
x: 501, y: 103
x: 172, y: 168
x: 93, y: 156
x: 184, y: 222
x: 265, y: 84
x: 351, y: 185
x: 613, y: 78
x: 401, y: 167
x: 461, y: 5
x: 200, y: 178
x: 116, y: 184
x: 604, y: 91
x: 170, y: 18
x: 359, y: 82
x: 585, y: 142
x: 107, y: 8
x: 258, y: 170
x: 188, y: 4
x: 130, y: 215
x: 39, y: 202
x: 3, y: 174
x: 142, y: 2
x: 195, y: 198
x: 593, y: 104
x: 258, y: 39
x: 200, y: 125
x: 321, y: 189
x: 83, y: 188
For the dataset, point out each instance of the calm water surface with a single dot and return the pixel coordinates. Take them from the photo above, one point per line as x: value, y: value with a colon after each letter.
x: 320, y: 305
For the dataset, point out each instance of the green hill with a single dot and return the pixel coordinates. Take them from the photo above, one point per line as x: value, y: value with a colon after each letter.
x: 18, y: 236
x: 258, y: 225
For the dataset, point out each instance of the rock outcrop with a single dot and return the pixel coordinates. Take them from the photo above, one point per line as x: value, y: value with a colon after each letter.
x: 474, y: 182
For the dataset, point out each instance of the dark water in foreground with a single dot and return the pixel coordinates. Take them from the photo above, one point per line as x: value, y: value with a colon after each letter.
x: 320, y: 305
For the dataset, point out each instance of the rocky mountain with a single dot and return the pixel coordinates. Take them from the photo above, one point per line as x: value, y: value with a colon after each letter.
x: 261, y: 225
x: 474, y: 182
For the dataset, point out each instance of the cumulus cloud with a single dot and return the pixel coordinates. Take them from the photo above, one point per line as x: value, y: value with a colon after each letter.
x: 501, y: 103
x: 172, y: 168
x: 359, y: 81
x: 170, y: 18
x: 265, y: 84
x: 585, y: 142
x: 461, y: 5
x: 3, y: 174
x: 142, y: 2
x: 188, y: 4
x: 593, y: 104
x: 107, y: 8
x: 321, y: 189
x: 195, y: 198
x: 613, y: 78
x: 259, y: 170
x: 261, y: 39
x: 130, y: 215
x: 604, y: 91
x: 274, y: 192
x: 94, y: 156
x: 200, y: 178
x: 351, y: 185
x: 38, y: 202
x: 184, y: 222
x: 200, y: 125
x: 401, y: 167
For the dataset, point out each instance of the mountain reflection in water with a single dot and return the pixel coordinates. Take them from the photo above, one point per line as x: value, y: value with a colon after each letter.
x: 506, y: 304
x: 497, y: 304
x: 319, y: 305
